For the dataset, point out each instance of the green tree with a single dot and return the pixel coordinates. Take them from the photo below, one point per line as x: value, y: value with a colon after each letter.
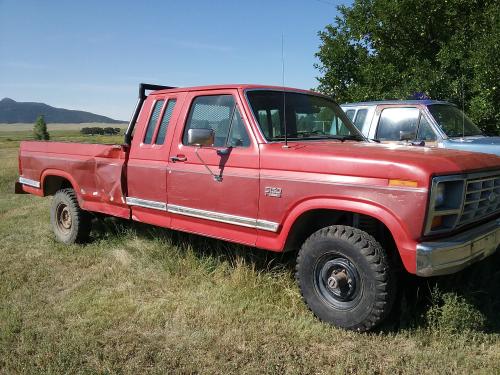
x: 391, y: 49
x: 40, y: 129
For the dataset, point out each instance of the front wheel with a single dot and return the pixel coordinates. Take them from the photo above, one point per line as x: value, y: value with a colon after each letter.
x: 344, y: 277
x: 70, y: 223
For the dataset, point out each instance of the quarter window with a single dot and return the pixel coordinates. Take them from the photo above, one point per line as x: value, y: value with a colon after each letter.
x: 360, y: 118
x: 219, y: 113
x: 393, y: 121
x: 238, y: 135
x: 152, y: 121
x: 160, y: 138
x: 425, y: 132
x: 350, y: 114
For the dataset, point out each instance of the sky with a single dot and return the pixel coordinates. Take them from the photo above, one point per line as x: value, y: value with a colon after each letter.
x: 91, y: 55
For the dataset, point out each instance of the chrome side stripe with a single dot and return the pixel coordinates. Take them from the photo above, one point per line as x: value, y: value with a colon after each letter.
x: 147, y: 204
x: 207, y: 215
x: 224, y: 218
x: 27, y: 181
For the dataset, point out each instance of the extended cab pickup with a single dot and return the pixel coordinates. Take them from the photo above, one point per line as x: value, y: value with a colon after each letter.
x: 229, y: 162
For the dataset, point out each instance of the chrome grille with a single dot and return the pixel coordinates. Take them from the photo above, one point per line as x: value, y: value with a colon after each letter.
x: 482, y: 198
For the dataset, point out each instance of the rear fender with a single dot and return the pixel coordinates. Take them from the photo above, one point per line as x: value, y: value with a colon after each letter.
x: 58, y: 173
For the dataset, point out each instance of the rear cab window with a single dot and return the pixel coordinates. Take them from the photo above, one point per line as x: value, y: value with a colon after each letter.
x: 158, y: 121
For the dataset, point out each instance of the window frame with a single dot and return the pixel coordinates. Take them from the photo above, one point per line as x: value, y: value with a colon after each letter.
x: 377, y: 136
x: 423, y: 115
x: 167, y: 100
x: 156, y: 124
x: 231, y: 115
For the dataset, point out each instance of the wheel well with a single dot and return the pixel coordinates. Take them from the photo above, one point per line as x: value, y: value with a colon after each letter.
x: 314, y: 220
x: 52, y: 184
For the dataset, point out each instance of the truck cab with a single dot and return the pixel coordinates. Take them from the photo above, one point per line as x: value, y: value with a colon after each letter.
x: 430, y: 122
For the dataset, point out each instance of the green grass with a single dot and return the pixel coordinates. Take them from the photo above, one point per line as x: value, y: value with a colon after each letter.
x: 139, y: 299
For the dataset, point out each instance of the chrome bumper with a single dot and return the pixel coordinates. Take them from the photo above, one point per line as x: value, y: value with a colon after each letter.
x: 455, y: 253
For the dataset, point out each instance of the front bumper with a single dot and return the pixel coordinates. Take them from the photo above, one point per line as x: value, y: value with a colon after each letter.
x: 455, y: 253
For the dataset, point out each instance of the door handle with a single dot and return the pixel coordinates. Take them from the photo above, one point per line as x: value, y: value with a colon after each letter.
x: 177, y: 158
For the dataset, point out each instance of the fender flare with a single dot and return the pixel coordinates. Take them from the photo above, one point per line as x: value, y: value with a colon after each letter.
x: 58, y: 173
x: 398, y: 229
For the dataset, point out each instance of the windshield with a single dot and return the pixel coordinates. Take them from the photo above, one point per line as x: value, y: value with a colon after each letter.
x: 453, y: 121
x: 308, y: 117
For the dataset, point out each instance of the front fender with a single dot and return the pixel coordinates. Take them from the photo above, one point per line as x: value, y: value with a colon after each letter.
x: 405, y: 243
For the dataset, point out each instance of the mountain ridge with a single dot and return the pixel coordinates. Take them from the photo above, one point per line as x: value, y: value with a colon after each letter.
x: 12, y: 111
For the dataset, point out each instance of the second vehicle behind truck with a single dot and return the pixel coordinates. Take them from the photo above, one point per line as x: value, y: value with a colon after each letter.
x: 435, y: 123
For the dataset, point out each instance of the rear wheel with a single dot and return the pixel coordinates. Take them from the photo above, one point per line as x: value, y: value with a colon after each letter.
x: 344, y: 277
x: 70, y: 223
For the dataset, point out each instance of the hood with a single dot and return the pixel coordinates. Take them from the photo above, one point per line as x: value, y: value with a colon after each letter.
x: 373, y: 160
x: 490, y: 145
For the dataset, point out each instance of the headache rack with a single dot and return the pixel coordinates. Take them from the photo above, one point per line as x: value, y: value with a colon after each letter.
x: 142, y: 96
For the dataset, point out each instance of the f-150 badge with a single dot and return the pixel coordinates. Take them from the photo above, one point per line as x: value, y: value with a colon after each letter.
x: 272, y: 192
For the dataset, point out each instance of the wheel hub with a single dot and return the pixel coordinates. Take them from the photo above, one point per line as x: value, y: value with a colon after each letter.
x: 338, y: 281
x: 64, y: 220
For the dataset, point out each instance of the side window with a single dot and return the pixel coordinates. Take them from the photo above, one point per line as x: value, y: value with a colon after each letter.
x: 152, y: 122
x: 238, y: 135
x: 350, y: 114
x: 425, y: 131
x: 160, y: 138
x: 217, y: 112
x: 270, y: 120
x: 360, y: 118
x: 393, y: 121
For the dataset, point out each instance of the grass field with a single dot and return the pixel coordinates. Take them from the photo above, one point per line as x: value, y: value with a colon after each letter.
x: 138, y: 299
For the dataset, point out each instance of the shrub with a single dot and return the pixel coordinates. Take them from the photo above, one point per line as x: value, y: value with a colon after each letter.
x: 40, y: 129
x: 452, y: 313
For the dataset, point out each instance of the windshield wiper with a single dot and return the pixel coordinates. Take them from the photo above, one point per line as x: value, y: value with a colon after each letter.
x: 300, y: 136
x: 342, y: 138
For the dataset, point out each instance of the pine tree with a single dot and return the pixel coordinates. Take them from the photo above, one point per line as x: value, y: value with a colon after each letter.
x: 40, y: 129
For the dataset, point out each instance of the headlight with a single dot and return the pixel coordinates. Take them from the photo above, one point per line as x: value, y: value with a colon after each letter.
x: 446, y: 198
x: 439, y: 199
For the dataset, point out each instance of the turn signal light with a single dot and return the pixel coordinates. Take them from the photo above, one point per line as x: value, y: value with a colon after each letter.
x: 437, y: 221
x: 405, y: 183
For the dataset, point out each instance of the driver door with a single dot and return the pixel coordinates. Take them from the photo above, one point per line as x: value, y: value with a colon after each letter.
x: 214, y: 190
x: 395, y: 121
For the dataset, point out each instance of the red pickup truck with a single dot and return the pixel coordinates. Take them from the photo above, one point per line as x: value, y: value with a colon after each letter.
x: 280, y: 169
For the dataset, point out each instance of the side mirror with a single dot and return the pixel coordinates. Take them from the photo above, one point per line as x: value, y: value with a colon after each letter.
x: 201, y: 137
x: 407, y: 135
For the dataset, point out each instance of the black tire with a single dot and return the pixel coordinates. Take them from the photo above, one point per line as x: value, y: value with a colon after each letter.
x: 345, y: 279
x: 70, y: 223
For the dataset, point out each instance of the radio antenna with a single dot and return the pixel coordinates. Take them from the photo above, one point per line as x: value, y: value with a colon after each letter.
x: 283, y: 86
x: 463, y: 109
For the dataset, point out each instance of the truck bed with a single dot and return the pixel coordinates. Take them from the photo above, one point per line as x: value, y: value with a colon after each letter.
x: 95, y: 170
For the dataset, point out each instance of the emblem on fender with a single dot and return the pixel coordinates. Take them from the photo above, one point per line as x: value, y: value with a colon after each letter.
x: 272, y: 192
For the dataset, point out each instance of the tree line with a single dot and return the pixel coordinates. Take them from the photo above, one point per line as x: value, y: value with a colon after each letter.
x: 393, y: 49
x: 100, y: 131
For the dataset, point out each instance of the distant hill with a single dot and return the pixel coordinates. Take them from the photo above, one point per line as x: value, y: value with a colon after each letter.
x: 12, y: 112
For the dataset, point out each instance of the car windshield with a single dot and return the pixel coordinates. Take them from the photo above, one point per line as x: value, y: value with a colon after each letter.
x: 453, y: 121
x: 308, y: 117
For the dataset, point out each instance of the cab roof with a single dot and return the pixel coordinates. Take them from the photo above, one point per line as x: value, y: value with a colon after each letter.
x: 241, y: 86
x: 409, y: 102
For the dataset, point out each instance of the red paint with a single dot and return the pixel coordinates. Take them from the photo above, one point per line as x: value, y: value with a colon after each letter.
x: 348, y: 176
